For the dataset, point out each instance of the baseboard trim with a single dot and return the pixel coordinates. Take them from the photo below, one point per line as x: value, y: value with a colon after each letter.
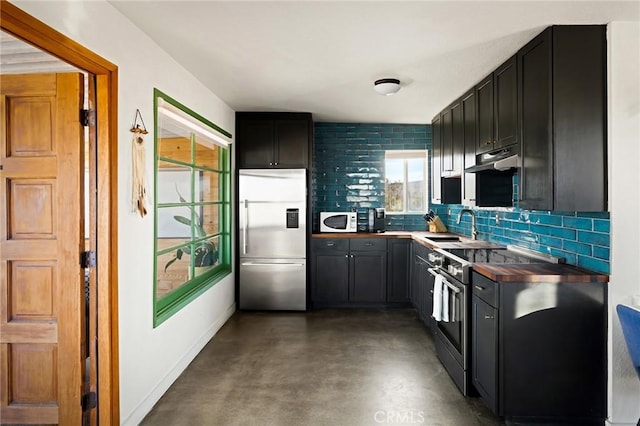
x: 145, y: 406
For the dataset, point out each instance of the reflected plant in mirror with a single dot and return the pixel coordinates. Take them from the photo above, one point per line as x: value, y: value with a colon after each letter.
x: 191, y: 205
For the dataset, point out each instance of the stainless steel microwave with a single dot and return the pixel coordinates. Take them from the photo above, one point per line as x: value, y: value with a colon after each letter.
x: 338, y: 222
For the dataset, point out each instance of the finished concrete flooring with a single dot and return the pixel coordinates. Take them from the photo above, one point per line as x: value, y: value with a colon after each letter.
x: 325, y: 367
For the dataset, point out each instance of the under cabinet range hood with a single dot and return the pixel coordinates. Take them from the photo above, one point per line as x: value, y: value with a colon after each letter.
x: 500, y: 160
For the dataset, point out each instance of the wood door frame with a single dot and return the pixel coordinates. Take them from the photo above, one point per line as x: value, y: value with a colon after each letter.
x: 24, y: 26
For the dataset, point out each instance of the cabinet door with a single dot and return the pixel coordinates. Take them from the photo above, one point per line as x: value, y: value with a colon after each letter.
x: 579, y: 117
x: 255, y: 142
x: 536, y: 173
x: 330, y: 277
x: 415, y: 282
x: 484, y: 353
x: 428, y: 281
x: 368, y: 277
x: 505, y: 82
x: 484, y: 113
x: 469, y: 147
x: 292, y: 143
x: 398, y: 270
x: 457, y: 136
x: 436, y: 161
x: 447, y: 142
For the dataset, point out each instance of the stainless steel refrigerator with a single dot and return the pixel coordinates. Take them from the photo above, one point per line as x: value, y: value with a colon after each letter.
x: 272, y: 239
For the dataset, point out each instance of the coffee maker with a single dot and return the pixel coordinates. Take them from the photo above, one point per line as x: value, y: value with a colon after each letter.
x: 376, y: 219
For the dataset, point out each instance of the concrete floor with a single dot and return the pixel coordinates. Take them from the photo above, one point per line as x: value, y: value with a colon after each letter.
x: 326, y: 367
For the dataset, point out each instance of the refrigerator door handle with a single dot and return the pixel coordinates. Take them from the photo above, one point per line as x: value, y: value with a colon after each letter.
x: 270, y: 264
x: 246, y: 225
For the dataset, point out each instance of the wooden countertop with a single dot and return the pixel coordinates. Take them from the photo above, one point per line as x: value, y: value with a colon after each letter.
x: 539, y: 273
x: 533, y: 272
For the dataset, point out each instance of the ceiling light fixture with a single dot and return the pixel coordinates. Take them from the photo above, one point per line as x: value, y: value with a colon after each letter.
x: 386, y: 86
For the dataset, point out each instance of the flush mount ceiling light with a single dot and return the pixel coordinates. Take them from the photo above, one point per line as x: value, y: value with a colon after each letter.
x: 386, y: 86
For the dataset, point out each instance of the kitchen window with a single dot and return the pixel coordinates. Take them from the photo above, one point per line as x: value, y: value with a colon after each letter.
x: 191, y: 204
x: 405, y: 181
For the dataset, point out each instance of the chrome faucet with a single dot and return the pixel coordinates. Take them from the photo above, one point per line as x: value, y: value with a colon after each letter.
x: 474, y: 230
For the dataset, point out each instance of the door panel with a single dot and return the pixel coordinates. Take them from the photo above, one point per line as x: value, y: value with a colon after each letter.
x: 41, y: 236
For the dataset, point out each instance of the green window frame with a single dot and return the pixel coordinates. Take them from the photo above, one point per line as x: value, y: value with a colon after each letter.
x: 192, y: 206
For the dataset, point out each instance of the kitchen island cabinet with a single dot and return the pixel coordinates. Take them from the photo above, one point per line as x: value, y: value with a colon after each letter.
x: 539, y: 342
x: 273, y: 140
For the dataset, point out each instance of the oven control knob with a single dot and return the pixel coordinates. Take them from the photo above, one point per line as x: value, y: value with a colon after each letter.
x: 435, y: 259
x: 454, y: 270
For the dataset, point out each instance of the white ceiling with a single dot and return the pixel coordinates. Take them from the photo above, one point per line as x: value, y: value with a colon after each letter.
x: 322, y: 57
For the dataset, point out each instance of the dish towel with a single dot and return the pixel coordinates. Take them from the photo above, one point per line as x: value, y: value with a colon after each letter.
x: 437, y: 298
x: 445, y: 302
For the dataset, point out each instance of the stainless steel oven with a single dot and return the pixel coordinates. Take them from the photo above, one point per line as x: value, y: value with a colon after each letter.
x: 452, y: 330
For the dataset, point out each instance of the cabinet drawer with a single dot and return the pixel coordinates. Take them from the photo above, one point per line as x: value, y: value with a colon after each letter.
x: 368, y: 244
x: 485, y: 289
x: 335, y: 244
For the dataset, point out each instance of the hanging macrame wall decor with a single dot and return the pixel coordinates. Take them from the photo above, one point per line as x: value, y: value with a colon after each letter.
x: 139, y: 189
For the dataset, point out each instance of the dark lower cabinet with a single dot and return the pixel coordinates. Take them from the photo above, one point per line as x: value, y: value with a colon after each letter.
x: 356, y: 272
x: 368, y: 281
x: 398, y: 271
x: 422, y: 285
x: 332, y: 270
x: 539, y: 350
x: 484, y: 345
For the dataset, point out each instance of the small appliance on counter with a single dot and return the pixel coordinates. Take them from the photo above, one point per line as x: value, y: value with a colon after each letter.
x: 376, y: 220
x: 338, y: 222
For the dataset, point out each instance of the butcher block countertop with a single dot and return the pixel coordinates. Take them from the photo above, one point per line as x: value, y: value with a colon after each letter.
x: 534, y: 272
x: 539, y: 273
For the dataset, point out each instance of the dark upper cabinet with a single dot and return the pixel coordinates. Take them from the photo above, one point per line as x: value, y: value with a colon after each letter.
x: 505, y: 103
x: 447, y: 156
x: 536, y: 174
x: 562, y: 90
x: 273, y: 140
x: 497, y: 108
x: 469, y: 147
x: 452, y: 139
x: 484, y: 111
x: 436, y: 160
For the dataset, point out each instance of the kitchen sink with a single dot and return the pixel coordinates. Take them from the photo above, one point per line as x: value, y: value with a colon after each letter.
x: 443, y: 238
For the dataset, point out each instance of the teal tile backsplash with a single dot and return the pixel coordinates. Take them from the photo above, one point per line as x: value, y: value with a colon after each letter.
x: 348, y: 174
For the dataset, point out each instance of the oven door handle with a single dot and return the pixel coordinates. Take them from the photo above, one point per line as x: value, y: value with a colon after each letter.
x: 452, y: 287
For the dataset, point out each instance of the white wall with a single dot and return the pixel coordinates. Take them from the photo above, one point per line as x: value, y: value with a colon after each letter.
x: 624, y: 203
x: 150, y: 359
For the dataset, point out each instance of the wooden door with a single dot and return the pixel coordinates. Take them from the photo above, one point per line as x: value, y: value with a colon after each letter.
x: 41, y: 236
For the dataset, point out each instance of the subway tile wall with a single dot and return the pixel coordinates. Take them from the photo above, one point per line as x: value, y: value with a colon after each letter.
x: 348, y: 174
